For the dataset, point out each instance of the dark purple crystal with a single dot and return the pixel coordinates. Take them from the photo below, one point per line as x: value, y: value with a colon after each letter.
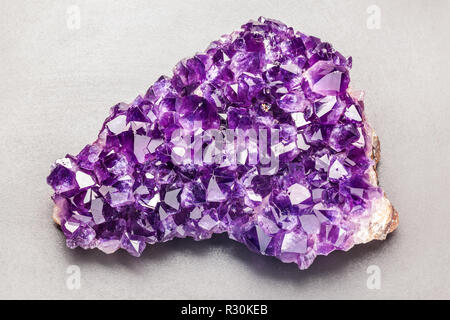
x: 124, y: 190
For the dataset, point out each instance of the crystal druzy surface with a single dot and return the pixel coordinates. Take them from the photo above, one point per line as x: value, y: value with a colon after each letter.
x: 126, y: 191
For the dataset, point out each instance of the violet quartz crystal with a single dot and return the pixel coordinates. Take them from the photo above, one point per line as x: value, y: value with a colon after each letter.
x: 126, y: 191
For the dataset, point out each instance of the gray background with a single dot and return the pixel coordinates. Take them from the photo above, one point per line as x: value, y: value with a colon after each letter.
x: 56, y: 87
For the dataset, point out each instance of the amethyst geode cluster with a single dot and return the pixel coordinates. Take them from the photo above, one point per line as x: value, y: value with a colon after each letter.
x: 125, y: 191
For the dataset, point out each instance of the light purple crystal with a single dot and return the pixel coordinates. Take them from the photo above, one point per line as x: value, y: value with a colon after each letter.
x: 124, y: 190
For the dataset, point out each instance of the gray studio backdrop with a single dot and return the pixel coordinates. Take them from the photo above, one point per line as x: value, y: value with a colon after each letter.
x: 64, y: 63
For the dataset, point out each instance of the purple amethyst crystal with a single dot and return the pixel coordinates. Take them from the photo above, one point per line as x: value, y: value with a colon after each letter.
x: 149, y: 177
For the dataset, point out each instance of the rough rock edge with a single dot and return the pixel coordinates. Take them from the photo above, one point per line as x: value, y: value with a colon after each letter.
x: 383, y: 216
x: 58, y: 210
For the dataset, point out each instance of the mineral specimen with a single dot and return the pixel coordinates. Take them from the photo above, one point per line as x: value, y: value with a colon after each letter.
x: 259, y: 137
